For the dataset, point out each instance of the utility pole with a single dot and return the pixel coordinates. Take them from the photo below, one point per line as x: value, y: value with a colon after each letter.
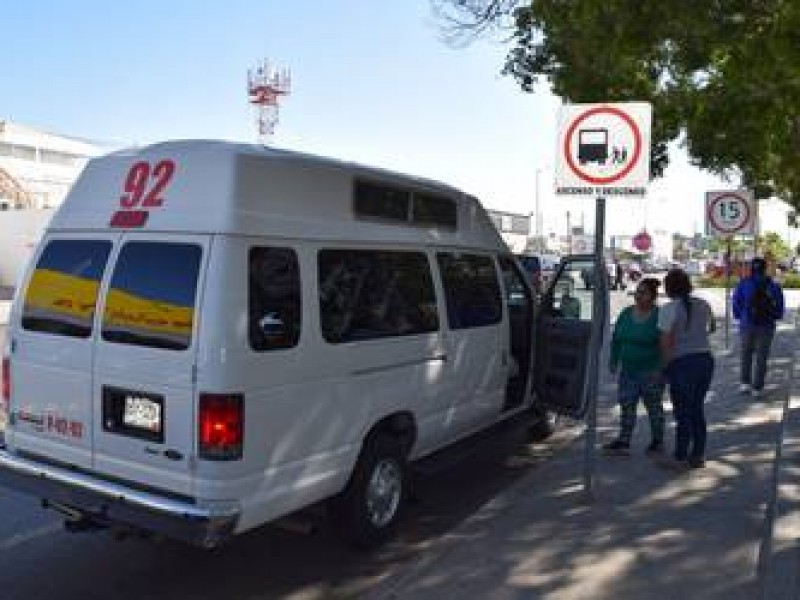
x: 569, y: 234
x: 537, y: 224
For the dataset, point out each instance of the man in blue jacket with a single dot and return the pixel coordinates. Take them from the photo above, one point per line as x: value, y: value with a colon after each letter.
x: 757, y: 305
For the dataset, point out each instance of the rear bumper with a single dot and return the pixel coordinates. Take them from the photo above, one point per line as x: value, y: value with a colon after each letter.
x: 113, y: 503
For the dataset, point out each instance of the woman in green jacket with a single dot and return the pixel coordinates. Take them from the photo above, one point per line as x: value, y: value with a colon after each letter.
x: 635, y: 355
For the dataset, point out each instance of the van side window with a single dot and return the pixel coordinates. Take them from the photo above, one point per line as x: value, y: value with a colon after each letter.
x: 151, y: 300
x: 374, y: 200
x: 471, y: 290
x: 432, y: 209
x: 62, y: 294
x: 273, y: 302
x: 369, y: 294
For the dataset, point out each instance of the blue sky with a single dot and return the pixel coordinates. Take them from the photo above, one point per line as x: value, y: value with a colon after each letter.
x: 372, y: 82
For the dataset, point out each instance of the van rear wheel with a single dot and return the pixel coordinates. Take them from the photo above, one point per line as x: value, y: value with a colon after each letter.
x: 369, y: 508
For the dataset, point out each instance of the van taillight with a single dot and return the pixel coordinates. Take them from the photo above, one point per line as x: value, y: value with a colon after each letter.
x: 221, y: 426
x: 6, y: 383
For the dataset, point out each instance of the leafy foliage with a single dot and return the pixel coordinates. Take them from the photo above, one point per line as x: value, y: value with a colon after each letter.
x: 723, y: 75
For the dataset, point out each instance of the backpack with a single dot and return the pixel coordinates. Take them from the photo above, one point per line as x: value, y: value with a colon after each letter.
x: 763, y: 307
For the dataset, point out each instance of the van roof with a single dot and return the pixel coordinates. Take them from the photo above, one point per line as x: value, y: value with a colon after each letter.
x: 203, y: 186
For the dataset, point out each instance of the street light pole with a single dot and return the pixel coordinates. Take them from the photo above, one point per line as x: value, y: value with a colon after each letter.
x: 537, y: 224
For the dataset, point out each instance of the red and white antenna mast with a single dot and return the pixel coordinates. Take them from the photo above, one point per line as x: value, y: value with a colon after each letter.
x: 265, y: 86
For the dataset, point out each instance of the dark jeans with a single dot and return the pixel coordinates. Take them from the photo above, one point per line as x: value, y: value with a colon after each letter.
x: 755, y: 340
x: 689, y: 378
x: 648, y: 387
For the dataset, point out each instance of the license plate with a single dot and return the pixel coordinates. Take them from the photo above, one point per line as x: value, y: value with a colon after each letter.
x: 142, y: 413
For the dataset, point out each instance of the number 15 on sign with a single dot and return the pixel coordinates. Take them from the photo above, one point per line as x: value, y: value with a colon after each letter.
x: 730, y: 213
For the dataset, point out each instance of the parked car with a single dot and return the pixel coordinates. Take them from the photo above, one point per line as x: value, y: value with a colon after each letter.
x: 540, y: 268
x: 587, y: 275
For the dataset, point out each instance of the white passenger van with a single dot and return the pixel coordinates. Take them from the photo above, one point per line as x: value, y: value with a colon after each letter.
x: 212, y: 335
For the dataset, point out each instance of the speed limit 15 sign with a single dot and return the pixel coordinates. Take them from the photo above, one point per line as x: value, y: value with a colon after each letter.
x: 731, y: 213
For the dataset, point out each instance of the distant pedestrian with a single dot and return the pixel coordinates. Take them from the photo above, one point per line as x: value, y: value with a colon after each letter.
x: 570, y: 306
x: 685, y: 322
x: 757, y: 304
x: 635, y: 355
x: 619, y: 276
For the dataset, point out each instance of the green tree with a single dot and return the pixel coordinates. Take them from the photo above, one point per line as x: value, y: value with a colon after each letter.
x: 723, y: 75
x: 773, y: 245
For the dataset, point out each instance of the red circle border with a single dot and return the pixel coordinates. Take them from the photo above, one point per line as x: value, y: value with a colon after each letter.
x: 710, y: 212
x: 637, y: 145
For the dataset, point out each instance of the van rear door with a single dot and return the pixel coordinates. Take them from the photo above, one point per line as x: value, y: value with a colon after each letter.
x: 52, y: 349
x: 144, y: 375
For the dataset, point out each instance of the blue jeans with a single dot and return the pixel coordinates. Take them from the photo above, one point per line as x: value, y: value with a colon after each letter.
x: 689, y: 378
x: 755, y: 340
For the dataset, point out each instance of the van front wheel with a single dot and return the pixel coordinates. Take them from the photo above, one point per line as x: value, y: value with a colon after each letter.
x: 369, y: 508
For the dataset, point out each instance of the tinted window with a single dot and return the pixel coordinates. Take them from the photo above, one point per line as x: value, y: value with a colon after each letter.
x: 62, y: 294
x: 531, y: 264
x: 381, y: 201
x: 471, y: 290
x: 273, y: 299
x: 152, y: 294
x: 368, y: 294
x: 435, y: 210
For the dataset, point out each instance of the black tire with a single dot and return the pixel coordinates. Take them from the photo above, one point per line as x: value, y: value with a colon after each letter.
x: 369, y: 508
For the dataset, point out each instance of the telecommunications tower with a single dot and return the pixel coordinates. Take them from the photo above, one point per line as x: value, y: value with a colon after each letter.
x: 265, y: 86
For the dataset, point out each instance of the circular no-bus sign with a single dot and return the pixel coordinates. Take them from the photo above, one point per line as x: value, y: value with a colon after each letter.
x: 603, y: 148
x: 730, y: 213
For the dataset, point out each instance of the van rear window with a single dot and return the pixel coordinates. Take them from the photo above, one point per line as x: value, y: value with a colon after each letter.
x: 62, y: 293
x: 151, y: 300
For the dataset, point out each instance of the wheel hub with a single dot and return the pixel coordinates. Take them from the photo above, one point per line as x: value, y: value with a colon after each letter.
x: 384, y: 492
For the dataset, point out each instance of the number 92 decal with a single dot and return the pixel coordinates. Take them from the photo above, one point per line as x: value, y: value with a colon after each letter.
x: 145, y: 184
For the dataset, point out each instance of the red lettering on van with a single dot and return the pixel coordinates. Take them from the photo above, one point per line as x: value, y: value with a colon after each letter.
x: 144, y: 186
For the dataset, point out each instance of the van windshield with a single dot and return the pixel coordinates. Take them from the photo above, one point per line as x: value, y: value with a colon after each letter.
x: 151, y: 299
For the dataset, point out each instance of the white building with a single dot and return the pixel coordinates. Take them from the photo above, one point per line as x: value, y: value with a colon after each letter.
x: 37, y: 168
x: 515, y: 229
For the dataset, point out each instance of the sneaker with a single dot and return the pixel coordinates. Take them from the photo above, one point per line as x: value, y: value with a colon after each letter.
x: 655, y: 447
x: 744, y: 388
x: 696, y: 463
x: 617, y: 447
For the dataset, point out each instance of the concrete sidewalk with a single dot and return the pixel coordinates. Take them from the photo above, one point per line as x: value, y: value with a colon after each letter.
x: 649, y: 533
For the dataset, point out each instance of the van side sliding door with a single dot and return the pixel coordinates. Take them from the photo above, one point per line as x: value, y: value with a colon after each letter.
x: 567, y: 324
x: 477, y: 358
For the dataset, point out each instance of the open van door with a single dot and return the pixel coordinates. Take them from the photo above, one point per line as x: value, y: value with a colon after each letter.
x: 569, y: 328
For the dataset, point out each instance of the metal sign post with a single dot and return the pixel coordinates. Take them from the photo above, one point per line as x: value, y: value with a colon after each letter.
x: 599, y: 311
x: 728, y: 258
